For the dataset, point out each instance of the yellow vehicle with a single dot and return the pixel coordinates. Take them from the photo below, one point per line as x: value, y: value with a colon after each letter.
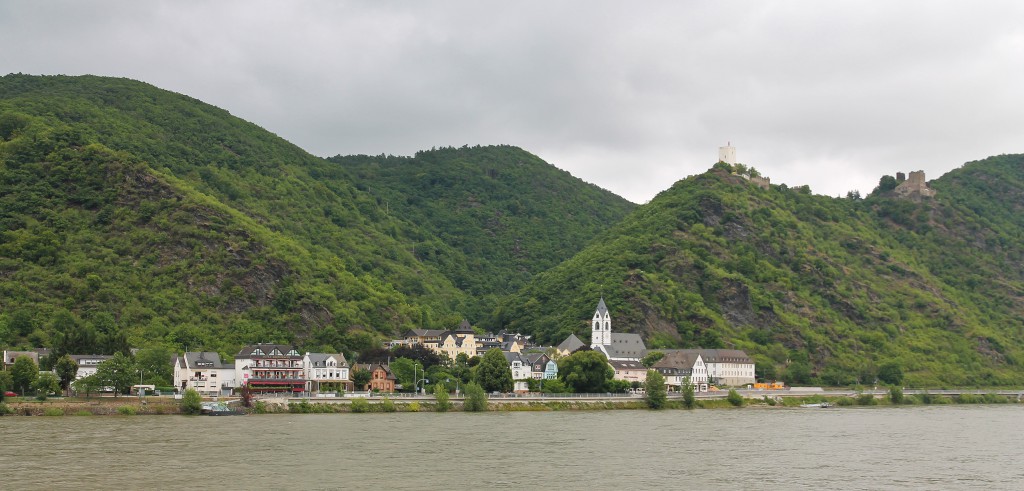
x: 770, y: 386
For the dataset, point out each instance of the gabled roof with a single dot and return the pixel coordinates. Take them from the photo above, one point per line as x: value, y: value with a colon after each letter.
x: 202, y: 359
x: 571, y: 343
x: 320, y: 359
x: 626, y: 365
x: 678, y: 359
x: 626, y: 345
x: 374, y: 366
x: 716, y: 355
x: 428, y: 333
x: 512, y: 356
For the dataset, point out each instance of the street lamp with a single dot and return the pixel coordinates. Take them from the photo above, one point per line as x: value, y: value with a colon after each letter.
x: 141, y: 390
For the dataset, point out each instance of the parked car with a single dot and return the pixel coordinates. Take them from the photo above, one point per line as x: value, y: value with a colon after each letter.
x: 10, y: 394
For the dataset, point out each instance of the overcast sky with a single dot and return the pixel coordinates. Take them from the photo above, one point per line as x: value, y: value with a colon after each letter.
x: 630, y: 96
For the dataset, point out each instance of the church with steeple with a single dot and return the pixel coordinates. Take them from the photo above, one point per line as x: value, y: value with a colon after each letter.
x: 614, y: 345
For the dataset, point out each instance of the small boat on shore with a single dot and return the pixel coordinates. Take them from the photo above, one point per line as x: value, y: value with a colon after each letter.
x: 817, y: 404
x: 219, y: 409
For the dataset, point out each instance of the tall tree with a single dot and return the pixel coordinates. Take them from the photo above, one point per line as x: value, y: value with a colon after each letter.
x: 24, y: 373
x: 119, y: 372
x: 689, y: 399
x: 585, y: 371
x: 493, y: 374
x: 360, y: 377
x: 476, y: 398
x: 66, y: 369
x: 654, y: 387
x: 6, y: 383
x: 46, y: 384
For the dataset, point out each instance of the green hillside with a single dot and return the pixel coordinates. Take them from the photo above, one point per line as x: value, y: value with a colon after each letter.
x: 818, y: 289
x: 499, y: 214
x: 134, y: 215
x: 132, y: 212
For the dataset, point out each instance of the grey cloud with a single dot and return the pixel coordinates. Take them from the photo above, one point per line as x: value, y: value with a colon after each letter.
x: 628, y: 96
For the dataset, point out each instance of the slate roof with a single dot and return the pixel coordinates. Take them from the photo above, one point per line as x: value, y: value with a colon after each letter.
x: 571, y: 343
x: 320, y: 359
x: 715, y: 355
x: 626, y: 365
x: 625, y: 345
x: 429, y: 333
x: 201, y: 359
x: 601, y: 307
x: 678, y: 359
x: 465, y: 328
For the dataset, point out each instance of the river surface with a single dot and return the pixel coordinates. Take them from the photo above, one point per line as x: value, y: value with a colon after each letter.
x: 920, y: 447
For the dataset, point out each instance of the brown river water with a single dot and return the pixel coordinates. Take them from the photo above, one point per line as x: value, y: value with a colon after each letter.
x: 919, y: 447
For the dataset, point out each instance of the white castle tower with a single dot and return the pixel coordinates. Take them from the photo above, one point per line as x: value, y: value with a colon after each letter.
x: 601, y: 326
x: 727, y: 153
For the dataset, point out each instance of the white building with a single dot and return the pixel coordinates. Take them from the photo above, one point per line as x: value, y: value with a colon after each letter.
x: 204, y: 372
x: 88, y: 364
x: 724, y: 366
x: 326, y: 372
x: 614, y: 345
x: 678, y: 366
x: 521, y: 367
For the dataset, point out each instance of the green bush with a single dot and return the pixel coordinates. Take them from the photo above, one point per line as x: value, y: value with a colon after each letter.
x: 476, y: 398
x: 387, y: 406
x: 767, y: 400
x: 969, y: 399
x: 441, y: 395
x: 360, y: 405
x: 126, y: 410
x: 5, y: 409
x: 191, y: 402
x: 845, y: 401
x: 260, y: 407
x: 53, y: 411
x: 82, y: 412
x: 867, y: 400
x: 895, y: 395
x: 413, y: 407
x: 734, y: 398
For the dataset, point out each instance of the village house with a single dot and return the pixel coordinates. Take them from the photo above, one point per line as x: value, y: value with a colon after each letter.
x: 381, y: 378
x: 724, y: 366
x: 88, y: 364
x: 326, y: 373
x: 680, y: 366
x: 270, y: 368
x: 204, y: 372
x: 628, y: 370
x: 11, y: 356
x: 541, y: 365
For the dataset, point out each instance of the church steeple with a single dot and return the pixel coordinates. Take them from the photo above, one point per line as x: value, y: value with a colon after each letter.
x: 601, y: 326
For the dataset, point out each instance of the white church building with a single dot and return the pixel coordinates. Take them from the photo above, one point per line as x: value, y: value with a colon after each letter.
x: 614, y: 345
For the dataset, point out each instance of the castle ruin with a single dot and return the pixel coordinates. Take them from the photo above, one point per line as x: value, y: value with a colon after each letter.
x: 914, y: 187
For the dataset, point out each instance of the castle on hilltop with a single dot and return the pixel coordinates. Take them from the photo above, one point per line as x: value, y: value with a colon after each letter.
x: 727, y: 154
x: 913, y: 187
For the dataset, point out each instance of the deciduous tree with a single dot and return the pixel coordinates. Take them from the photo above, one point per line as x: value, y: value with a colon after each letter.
x: 656, y: 393
x: 585, y: 371
x: 493, y: 374
x: 66, y: 370
x: 23, y: 374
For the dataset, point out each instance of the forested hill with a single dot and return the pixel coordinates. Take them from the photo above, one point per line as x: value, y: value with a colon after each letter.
x: 130, y: 215
x: 818, y: 289
x: 499, y: 214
